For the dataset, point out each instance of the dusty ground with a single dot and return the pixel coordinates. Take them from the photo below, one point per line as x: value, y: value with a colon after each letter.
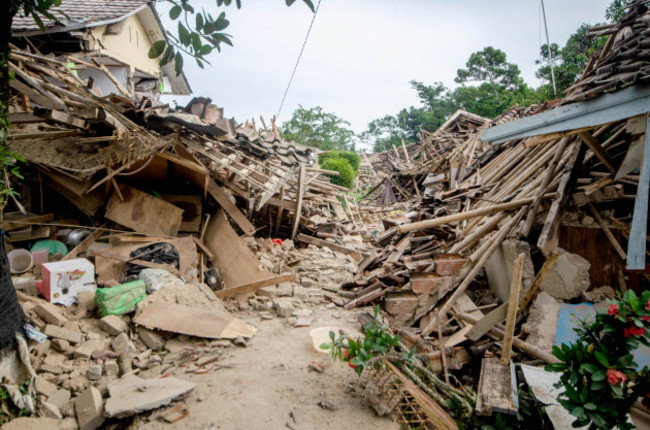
x: 270, y: 384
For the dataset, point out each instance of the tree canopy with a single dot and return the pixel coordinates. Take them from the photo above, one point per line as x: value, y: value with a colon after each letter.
x: 320, y: 129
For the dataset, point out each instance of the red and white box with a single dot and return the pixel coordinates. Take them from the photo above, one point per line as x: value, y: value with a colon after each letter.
x: 64, y: 280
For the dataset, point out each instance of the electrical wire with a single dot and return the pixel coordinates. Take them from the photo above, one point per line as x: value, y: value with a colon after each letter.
x: 277, y: 115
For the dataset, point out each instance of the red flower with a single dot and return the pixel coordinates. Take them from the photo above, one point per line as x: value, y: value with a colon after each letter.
x: 348, y: 358
x: 615, y: 376
x: 634, y: 331
x: 646, y: 318
x: 647, y: 305
x: 613, y: 310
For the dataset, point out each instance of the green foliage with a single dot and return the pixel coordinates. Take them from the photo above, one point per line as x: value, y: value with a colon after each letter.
x: 315, y: 127
x: 598, y: 371
x: 490, y: 65
x: 363, y: 353
x: 198, y: 33
x: 346, y: 174
x: 352, y: 158
x: 617, y: 9
x: 568, y: 62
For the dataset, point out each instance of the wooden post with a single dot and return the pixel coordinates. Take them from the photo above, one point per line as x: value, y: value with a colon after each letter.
x: 299, y: 195
x: 511, y: 318
x: 530, y: 294
x: 608, y: 233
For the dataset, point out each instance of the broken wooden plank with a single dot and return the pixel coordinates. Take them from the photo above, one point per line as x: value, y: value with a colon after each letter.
x: 233, y: 212
x: 299, y: 197
x: 489, y: 321
x: 144, y: 213
x: 511, y: 317
x: 252, y: 287
x: 608, y: 233
x: 598, y: 150
x: 532, y: 291
x: 495, y: 388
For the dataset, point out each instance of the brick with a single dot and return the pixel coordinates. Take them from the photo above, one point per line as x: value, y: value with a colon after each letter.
x: 90, y: 409
x: 113, y: 325
x: 283, y: 308
x: 50, y: 314
x: 72, y: 336
x: 86, y: 349
x: 42, y: 348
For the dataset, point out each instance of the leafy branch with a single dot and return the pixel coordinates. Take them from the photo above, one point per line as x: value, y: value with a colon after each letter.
x: 199, y: 33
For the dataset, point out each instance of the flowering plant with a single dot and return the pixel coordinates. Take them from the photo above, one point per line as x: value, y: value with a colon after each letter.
x: 599, y: 375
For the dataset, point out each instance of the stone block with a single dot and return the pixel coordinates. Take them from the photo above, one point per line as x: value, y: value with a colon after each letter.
x: 283, y: 308
x: 45, y: 387
x: 151, y: 339
x: 50, y: 314
x: 86, y: 349
x: 542, y: 322
x: 113, y: 325
x: 60, y: 398
x: 111, y: 368
x: 121, y: 344
x: 569, y: 278
x: 90, y: 409
x: 47, y: 409
x: 72, y: 336
x: 94, y: 372
x: 500, y: 265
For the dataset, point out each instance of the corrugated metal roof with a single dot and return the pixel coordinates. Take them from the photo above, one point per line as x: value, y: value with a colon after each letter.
x: 80, y: 12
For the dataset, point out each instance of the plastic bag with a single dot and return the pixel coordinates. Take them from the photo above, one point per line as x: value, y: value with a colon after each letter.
x: 120, y: 299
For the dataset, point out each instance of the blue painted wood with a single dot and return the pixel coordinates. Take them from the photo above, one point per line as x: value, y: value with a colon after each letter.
x: 568, y: 320
x: 636, y: 244
x: 607, y: 108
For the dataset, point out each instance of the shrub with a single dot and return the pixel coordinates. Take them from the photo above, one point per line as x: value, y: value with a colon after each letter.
x: 599, y: 374
x: 346, y: 174
x: 351, y: 157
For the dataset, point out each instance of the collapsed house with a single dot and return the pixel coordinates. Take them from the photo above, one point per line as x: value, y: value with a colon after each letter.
x: 480, y: 226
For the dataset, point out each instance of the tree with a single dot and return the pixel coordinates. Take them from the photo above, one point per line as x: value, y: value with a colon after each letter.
x: 320, y: 129
x: 490, y: 65
x: 617, y: 9
x: 569, y: 62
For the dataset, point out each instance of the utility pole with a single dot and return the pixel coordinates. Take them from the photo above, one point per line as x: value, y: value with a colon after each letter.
x: 548, y: 45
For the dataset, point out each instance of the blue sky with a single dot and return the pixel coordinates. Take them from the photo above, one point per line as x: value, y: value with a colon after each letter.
x: 362, y: 53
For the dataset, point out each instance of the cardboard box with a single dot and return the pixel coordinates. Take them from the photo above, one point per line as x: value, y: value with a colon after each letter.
x: 64, y: 280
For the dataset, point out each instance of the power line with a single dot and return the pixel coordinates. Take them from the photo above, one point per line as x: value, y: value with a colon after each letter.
x: 277, y: 115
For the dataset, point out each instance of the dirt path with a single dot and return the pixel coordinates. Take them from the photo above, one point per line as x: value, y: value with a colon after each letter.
x: 270, y: 382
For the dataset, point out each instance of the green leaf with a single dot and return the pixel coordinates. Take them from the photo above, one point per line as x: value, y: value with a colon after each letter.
x: 590, y: 368
x: 598, y: 420
x: 578, y: 412
x: 175, y: 12
x: 596, y: 386
x: 167, y: 56
x: 178, y: 66
x: 157, y: 48
x: 601, y: 358
x: 196, y: 41
x: 221, y: 24
x: 290, y: 2
x: 184, y: 35
x: 199, y: 21
x: 599, y: 376
x: 590, y: 406
x: 310, y: 5
x: 325, y: 345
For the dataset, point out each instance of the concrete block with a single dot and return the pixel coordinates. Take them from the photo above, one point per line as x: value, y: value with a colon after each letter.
x: 111, y: 368
x: 122, y: 344
x: 71, y: 336
x: 283, y: 308
x: 500, y: 265
x: 86, y: 349
x: 61, y: 345
x: 569, y: 278
x: 45, y: 387
x: 59, y: 398
x: 131, y: 395
x: 542, y: 322
x: 50, y: 314
x: 152, y: 339
x: 94, y: 372
x: 90, y: 409
x: 47, y: 409
x: 113, y: 325
x: 42, y: 348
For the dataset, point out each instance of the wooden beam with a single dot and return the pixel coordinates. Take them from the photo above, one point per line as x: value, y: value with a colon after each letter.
x: 598, y: 150
x: 220, y: 196
x: 532, y: 291
x: 513, y: 303
x: 636, y: 245
x: 252, y: 287
x: 608, y: 233
x: 549, y: 235
x: 299, y: 197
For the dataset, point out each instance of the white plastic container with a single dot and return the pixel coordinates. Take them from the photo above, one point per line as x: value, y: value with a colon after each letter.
x: 20, y: 260
x: 24, y: 282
